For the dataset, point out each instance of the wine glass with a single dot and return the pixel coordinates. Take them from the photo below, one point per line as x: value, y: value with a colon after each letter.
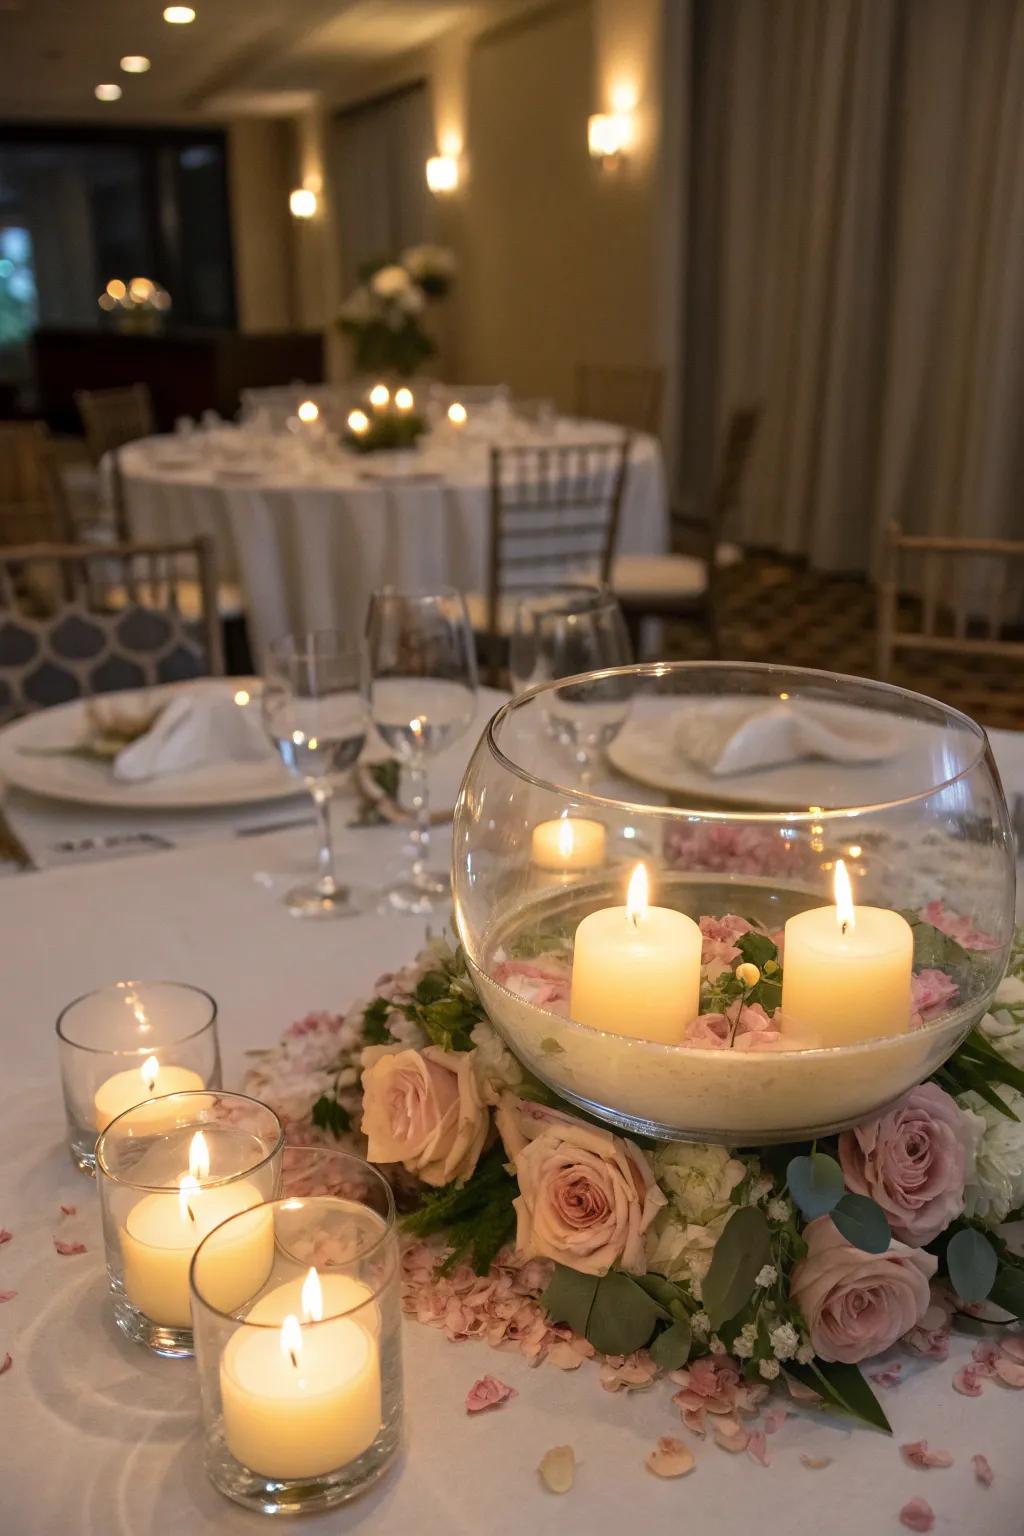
x: 563, y: 631
x: 315, y: 712
x: 422, y: 697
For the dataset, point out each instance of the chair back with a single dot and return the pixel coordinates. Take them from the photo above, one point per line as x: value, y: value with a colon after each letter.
x: 111, y: 418
x: 554, y: 515
x: 30, y: 507
x: 958, y: 580
x: 733, y: 459
x: 77, y: 619
x: 630, y: 397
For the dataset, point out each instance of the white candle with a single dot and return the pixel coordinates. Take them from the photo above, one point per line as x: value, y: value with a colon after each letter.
x: 636, y: 969
x: 126, y: 1089
x: 846, y: 971
x: 301, y: 1401
x: 568, y: 844
x: 163, y: 1230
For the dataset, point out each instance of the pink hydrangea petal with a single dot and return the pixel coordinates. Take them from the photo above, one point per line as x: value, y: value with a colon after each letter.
x: 6, y: 1363
x: 966, y: 1381
x: 757, y: 1448
x: 917, y: 1454
x: 68, y: 1250
x: 670, y: 1458
x: 488, y: 1392
x: 730, y: 1435
x: 774, y: 1419
x: 1009, y: 1372
x: 5, y: 1236
x: 1013, y: 1345
x: 917, y: 1515
x: 815, y: 1463
x: 889, y: 1376
x: 69, y: 1210
x: 558, y: 1469
x: 7, y: 1295
x: 982, y: 1470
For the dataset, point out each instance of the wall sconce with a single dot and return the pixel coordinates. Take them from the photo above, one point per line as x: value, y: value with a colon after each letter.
x: 609, y: 135
x: 303, y: 203
x: 442, y: 173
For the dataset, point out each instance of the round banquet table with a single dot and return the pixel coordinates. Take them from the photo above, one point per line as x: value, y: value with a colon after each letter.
x: 309, y: 536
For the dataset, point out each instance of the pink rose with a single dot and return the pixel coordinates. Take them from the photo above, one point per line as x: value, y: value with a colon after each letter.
x: 424, y: 1109
x: 856, y: 1304
x: 914, y: 1162
x: 586, y: 1197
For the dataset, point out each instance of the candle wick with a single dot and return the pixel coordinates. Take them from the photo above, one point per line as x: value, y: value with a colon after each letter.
x: 294, y: 1361
x: 191, y: 1212
x: 843, y: 927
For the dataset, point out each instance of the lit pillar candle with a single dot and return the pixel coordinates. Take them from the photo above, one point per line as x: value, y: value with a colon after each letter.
x: 163, y: 1230
x: 301, y: 1401
x: 404, y: 400
x: 568, y: 844
x: 846, y: 971
x: 126, y: 1089
x: 636, y: 969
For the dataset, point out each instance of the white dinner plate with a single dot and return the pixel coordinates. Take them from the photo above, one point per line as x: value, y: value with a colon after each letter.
x: 86, y: 782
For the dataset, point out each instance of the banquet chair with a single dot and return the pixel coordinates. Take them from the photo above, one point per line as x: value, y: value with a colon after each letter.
x: 77, y: 620
x: 683, y: 586
x: 554, y: 516
x: 31, y: 505
x: 957, y: 579
x: 629, y: 397
x: 111, y: 418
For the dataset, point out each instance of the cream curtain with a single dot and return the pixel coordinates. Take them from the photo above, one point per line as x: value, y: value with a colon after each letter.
x: 856, y: 263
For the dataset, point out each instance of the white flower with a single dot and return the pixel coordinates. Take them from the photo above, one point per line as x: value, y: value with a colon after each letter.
x: 766, y: 1276
x: 389, y: 282
x: 681, y: 1250
x: 698, y: 1179
x: 700, y: 1325
x: 1004, y: 1025
x: 997, y: 1184
x: 498, y: 1068
x: 760, y: 1188
x: 805, y: 1354
x: 429, y: 261
x: 716, y: 1346
x: 411, y: 302
x: 784, y: 1341
x: 744, y: 1342
x: 358, y: 307
x: 769, y: 1369
x: 779, y: 1210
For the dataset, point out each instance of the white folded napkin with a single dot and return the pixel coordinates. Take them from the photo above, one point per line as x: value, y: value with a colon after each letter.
x: 738, y: 736
x: 197, y: 728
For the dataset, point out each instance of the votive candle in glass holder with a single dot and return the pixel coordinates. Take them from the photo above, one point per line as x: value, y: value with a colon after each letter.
x: 301, y: 1382
x: 170, y: 1170
x: 132, y: 1041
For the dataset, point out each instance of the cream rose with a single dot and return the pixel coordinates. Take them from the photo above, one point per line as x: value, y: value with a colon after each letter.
x: 856, y: 1304
x: 586, y: 1197
x: 424, y: 1109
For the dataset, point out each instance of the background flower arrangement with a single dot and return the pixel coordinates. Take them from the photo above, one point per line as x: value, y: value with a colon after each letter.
x: 383, y: 314
x: 533, y: 1226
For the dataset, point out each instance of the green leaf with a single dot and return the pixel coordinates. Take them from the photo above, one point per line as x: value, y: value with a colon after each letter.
x: 972, y: 1263
x: 622, y: 1317
x: 844, y: 1388
x: 816, y: 1183
x: 430, y: 987
x: 671, y: 1348
x: 862, y: 1222
x: 666, y: 1293
x: 549, y: 1046
x: 331, y: 1116
x: 934, y: 950
x: 757, y: 948
x: 569, y: 1297
x: 743, y: 1248
x: 767, y: 992
x: 1008, y: 1290
x: 375, y: 1023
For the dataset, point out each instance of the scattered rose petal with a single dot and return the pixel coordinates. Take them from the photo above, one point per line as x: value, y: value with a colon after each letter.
x: 730, y: 1435
x: 774, y: 1419
x: 918, y: 1515
x: 558, y: 1469
x: 69, y: 1210
x: 757, y: 1448
x: 7, y: 1295
x: 801, y: 1394
x: 816, y: 1463
x: 917, y: 1454
x: 68, y: 1250
x: 966, y: 1381
x: 488, y: 1392
x: 670, y: 1458
x: 5, y: 1236
x: 982, y: 1470
x: 564, y: 1356
x: 5, y: 1364
x: 888, y: 1376
x: 1009, y: 1372
x: 1013, y: 1345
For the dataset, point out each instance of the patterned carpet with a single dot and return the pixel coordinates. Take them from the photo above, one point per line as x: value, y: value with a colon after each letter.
x: 771, y: 610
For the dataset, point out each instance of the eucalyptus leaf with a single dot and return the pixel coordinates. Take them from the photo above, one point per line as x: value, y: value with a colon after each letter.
x: 664, y: 1292
x: 671, y: 1349
x: 862, y: 1222
x: 623, y: 1316
x: 972, y: 1263
x: 569, y: 1297
x: 1008, y: 1291
x: 843, y: 1387
x: 743, y: 1248
x: 757, y: 948
x: 816, y: 1183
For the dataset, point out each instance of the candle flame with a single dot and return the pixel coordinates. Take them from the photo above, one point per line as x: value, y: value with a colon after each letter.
x: 312, y: 1298
x: 457, y: 414
x: 843, y: 898
x: 308, y: 411
x: 189, y: 1186
x: 291, y: 1339
x: 199, y: 1157
x: 566, y: 838
x: 150, y: 1071
x: 380, y: 395
x: 636, y: 895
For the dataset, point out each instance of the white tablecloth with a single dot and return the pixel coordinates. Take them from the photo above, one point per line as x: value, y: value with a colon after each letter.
x: 309, y: 547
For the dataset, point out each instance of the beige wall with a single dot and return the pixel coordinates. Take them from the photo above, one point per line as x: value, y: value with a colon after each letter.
x: 259, y: 170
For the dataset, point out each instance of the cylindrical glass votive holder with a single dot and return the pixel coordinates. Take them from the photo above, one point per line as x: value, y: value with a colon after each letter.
x: 301, y: 1384
x: 129, y: 1042
x: 169, y: 1171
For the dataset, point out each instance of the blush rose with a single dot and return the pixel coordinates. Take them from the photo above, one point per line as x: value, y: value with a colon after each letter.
x: 857, y: 1304
x: 425, y: 1110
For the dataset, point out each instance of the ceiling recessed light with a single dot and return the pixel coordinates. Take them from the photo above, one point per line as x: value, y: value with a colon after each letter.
x: 179, y: 15
x: 108, y: 93
x: 135, y: 63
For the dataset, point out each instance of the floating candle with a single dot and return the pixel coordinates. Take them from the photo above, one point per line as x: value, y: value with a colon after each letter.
x: 126, y: 1089
x: 568, y: 844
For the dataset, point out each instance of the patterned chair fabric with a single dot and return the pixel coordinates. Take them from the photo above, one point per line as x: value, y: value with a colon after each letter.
x: 75, y: 621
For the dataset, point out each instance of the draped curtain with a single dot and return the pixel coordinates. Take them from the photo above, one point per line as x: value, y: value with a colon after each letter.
x: 855, y: 262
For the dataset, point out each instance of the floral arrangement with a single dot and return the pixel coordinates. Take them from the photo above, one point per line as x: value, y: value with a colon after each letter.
x: 531, y: 1226
x: 383, y: 314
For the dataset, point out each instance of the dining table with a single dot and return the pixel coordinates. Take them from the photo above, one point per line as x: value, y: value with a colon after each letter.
x: 101, y: 1438
x: 307, y: 530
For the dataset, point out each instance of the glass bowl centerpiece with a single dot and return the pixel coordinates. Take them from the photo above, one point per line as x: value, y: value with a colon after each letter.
x: 732, y: 902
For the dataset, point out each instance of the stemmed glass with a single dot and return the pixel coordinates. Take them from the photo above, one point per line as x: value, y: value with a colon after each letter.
x: 423, y: 687
x: 315, y: 712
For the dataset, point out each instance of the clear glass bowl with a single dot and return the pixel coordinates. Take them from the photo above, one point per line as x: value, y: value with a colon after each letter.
x: 739, y: 787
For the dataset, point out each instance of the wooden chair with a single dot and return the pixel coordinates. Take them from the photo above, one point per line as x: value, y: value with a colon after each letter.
x: 554, y: 515
x: 954, y: 583
x: 682, y: 586
x: 76, y: 620
x: 111, y: 418
x: 629, y: 397
x: 31, y: 507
